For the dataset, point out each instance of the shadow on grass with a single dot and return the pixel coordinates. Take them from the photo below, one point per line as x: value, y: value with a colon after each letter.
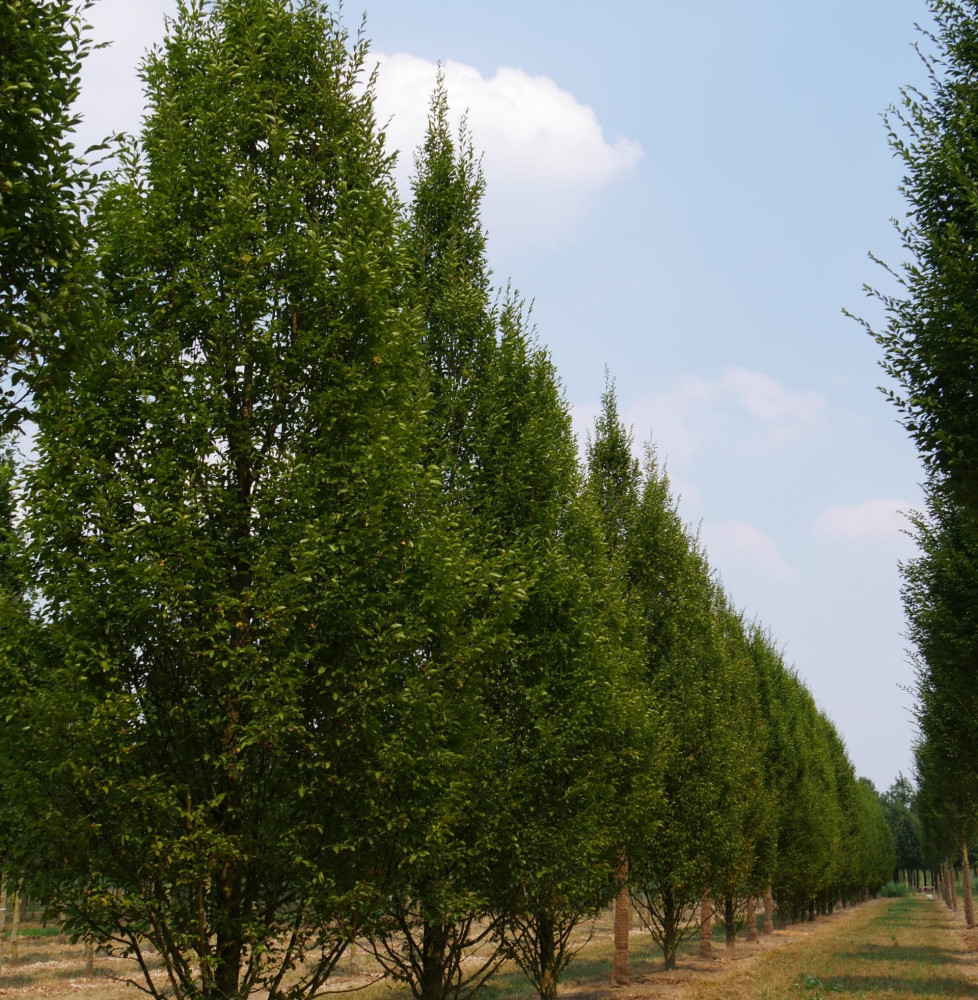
x: 901, y: 953
x: 41, y: 967
x: 907, y: 986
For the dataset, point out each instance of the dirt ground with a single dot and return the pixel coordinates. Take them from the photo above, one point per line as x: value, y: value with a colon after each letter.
x: 56, y: 971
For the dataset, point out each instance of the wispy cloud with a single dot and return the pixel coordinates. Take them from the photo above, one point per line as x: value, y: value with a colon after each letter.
x: 545, y: 153
x: 871, y: 521
x: 738, y: 542
x: 738, y: 404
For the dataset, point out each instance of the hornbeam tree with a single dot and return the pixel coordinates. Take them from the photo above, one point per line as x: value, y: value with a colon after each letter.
x: 439, y: 900
x: 561, y: 697
x: 252, y: 616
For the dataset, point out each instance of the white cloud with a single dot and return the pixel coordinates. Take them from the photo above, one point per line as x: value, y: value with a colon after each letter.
x: 738, y: 401
x: 872, y: 521
x: 545, y: 154
x: 737, y: 541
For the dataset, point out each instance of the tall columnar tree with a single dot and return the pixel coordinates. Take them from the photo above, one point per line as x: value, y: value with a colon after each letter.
x: 686, y: 670
x: 440, y: 900
x: 747, y: 833
x: 614, y: 484
x: 930, y: 344
x: 559, y: 697
x: 253, y: 619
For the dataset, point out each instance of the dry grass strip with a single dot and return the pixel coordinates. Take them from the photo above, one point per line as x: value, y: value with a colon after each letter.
x: 890, y: 947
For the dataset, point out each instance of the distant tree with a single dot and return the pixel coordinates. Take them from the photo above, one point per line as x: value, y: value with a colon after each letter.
x: 904, y: 823
x: 875, y: 844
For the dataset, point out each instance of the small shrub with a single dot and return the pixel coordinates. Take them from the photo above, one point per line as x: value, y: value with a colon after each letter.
x: 893, y: 889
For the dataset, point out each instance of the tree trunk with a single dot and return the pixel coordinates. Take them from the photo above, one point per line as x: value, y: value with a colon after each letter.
x: 619, y: 970
x: 706, y: 926
x: 969, y: 903
x: 3, y: 911
x: 670, y: 928
x: 752, y: 918
x: 769, y: 911
x: 228, y: 947
x: 547, y: 950
x: 433, y: 943
x: 729, y: 925
x: 89, y: 960
x: 15, y: 931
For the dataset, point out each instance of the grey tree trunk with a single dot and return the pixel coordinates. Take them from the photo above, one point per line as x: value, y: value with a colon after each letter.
x: 769, y: 911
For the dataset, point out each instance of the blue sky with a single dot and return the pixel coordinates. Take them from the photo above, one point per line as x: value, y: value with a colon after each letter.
x: 688, y: 192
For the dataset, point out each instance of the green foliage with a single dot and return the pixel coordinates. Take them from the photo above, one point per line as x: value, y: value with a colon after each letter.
x: 931, y: 336
x: 893, y: 890
x: 43, y: 186
x: 904, y: 822
x: 326, y: 633
x: 254, y: 618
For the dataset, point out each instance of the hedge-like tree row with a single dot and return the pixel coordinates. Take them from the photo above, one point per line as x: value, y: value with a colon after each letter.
x: 314, y: 627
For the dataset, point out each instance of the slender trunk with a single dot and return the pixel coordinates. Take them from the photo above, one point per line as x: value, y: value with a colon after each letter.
x: 619, y: 971
x: 89, y: 960
x: 952, y: 885
x: 433, y: 943
x: 752, y: 918
x: 547, y: 951
x: 729, y: 927
x: 811, y: 909
x: 706, y: 926
x: 670, y: 928
x: 229, y: 945
x: 769, y: 911
x: 15, y: 931
x: 3, y: 911
x: 969, y: 903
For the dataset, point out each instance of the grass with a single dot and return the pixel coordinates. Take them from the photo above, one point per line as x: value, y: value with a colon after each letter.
x: 895, y: 947
x: 892, y: 947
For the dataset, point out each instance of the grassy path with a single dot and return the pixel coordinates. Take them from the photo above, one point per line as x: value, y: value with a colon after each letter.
x: 895, y: 947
